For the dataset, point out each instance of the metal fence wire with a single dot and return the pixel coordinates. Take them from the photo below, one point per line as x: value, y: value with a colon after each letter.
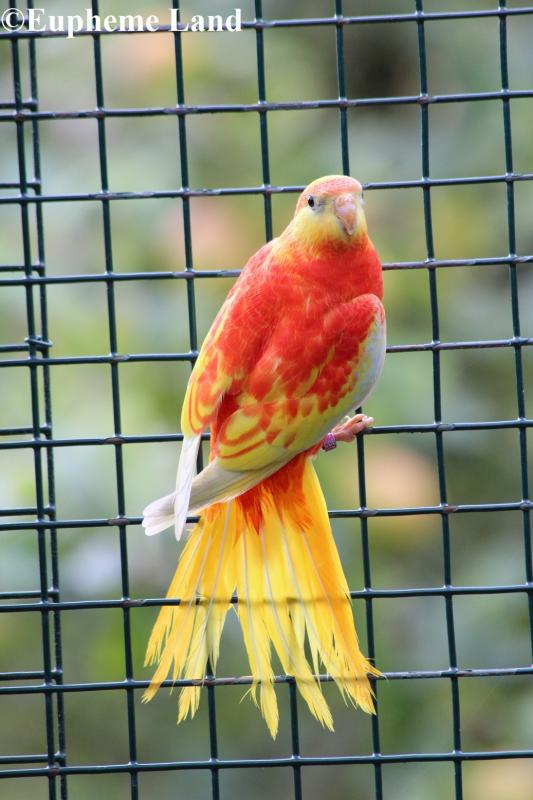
x: 35, y: 353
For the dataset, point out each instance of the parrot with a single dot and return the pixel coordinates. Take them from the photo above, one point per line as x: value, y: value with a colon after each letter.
x: 298, y: 344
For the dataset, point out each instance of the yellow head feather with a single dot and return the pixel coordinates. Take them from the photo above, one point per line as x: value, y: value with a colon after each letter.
x: 329, y: 213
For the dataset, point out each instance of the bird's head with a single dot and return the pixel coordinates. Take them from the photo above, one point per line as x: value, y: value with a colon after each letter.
x: 329, y: 212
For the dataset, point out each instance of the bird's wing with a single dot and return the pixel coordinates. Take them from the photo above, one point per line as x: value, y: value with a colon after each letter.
x: 229, y: 350
x: 293, y: 396
x: 232, y: 345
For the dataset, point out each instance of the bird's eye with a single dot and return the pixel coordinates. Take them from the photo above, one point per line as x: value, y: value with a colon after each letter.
x: 311, y: 201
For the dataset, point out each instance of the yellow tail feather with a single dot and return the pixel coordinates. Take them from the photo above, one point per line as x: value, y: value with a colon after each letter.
x: 289, y: 582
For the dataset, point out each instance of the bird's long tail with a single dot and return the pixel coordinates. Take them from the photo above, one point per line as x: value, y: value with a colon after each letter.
x: 273, y: 546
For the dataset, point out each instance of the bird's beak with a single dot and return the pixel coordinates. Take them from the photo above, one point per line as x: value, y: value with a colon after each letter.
x: 346, y: 212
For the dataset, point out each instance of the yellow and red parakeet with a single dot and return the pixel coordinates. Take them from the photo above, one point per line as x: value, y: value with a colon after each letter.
x: 298, y: 343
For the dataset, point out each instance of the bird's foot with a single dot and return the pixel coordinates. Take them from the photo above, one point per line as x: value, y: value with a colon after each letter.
x: 350, y: 427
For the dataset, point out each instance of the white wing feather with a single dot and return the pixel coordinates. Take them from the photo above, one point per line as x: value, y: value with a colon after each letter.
x: 159, y: 515
x: 184, y: 478
x: 172, y: 509
x: 213, y: 485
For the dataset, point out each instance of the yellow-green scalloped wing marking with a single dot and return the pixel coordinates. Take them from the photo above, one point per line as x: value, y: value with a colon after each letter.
x: 259, y: 433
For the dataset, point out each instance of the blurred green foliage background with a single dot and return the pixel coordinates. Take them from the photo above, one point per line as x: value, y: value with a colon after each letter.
x: 466, y: 139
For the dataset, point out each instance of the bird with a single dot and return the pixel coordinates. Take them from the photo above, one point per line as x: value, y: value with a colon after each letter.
x: 298, y: 344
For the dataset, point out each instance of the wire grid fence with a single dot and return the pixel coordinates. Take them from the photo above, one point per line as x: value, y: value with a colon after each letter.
x: 35, y: 354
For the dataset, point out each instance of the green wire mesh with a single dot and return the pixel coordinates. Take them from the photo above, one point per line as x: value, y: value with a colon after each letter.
x: 35, y: 354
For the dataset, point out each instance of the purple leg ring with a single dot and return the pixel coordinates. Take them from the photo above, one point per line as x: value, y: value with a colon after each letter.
x: 329, y: 443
